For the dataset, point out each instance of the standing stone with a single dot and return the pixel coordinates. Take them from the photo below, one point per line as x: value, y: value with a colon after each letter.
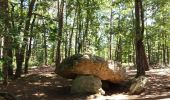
x: 87, y: 84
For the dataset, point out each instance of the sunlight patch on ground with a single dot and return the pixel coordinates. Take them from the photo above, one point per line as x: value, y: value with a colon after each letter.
x: 161, y: 71
x: 59, y: 86
x: 119, y: 97
x: 164, y: 96
x: 41, y: 84
x: 47, y: 74
x: 46, y: 83
x: 39, y: 94
x: 35, y: 83
x: 112, y: 97
x: 19, y: 95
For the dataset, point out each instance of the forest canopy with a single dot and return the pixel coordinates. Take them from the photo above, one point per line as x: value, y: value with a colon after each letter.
x: 43, y: 32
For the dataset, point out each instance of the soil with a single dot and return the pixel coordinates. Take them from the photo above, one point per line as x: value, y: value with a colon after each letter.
x: 43, y: 84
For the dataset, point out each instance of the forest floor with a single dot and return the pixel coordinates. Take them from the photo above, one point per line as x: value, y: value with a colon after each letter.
x: 43, y: 84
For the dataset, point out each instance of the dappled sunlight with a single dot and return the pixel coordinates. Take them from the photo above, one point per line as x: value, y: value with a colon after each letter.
x: 160, y: 71
x: 59, y: 86
x: 35, y: 83
x: 111, y: 97
x: 39, y: 94
x: 47, y: 86
x: 119, y: 97
x: 48, y: 75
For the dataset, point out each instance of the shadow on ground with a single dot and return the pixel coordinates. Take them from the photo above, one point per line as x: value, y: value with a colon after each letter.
x: 44, y: 84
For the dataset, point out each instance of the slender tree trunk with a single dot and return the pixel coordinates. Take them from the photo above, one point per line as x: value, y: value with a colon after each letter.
x: 158, y: 54
x: 119, y: 43
x: 60, y: 30
x: 148, y: 47
x: 21, y: 51
x: 164, y: 54
x: 167, y: 54
x: 119, y: 50
x: 1, y: 45
x: 110, y: 37
x: 45, y: 48
x: 10, y: 55
x: 79, y: 29
x: 29, y: 47
x: 164, y: 47
x: 6, y: 60
x: 71, y: 36
x: 86, y: 27
x: 7, y: 40
x: 53, y: 53
x: 133, y: 39
x: 141, y: 60
x: 66, y: 33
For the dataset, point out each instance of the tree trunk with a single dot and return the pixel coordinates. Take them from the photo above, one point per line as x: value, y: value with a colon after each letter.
x: 20, y: 53
x: 45, y: 49
x: 141, y: 60
x: 148, y: 47
x: 133, y: 39
x: 71, y: 36
x: 164, y: 54
x: 10, y: 54
x: 7, y: 40
x: 79, y: 29
x: 119, y: 50
x: 29, y: 49
x: 66, y: 33
x: 60, y: 30
x: 157, y: 53
x: 167, y: 54
x: 52, y: 53
x: 110, y: 37
x: 1, y: 49
x: 86, y: 27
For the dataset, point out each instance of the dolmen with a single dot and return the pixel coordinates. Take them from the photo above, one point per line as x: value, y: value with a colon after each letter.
x: 88, y: 71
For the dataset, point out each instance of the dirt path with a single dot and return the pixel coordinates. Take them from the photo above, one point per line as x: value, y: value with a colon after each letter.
x: 43, y: 84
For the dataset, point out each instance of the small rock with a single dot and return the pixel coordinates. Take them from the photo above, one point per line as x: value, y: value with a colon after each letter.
x: 138, y: 85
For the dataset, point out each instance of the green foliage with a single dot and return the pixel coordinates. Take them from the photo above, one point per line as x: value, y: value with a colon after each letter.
x: 39, y: 56
x: 1, y: 75
x: 89, y: 21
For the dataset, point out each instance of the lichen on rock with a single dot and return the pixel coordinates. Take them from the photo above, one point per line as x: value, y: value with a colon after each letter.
x: 87, y: 84
x: 89, y: 65
x: 138, y: 85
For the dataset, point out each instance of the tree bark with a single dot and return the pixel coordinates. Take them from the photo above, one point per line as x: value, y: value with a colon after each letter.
x: 7, y: 40
x: 60, y: 30
x: 148, y: 47
x: 66, y: 33
x: 45, y: 48
x: 21, y: 51
x: 71, y: 36
x: 167, y: 54
x: 141, y: 61
x: 29, y: 49
x: 110, y: 37
x: 86, y: 27
x: 1, y: 45
x: 119, y: 50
